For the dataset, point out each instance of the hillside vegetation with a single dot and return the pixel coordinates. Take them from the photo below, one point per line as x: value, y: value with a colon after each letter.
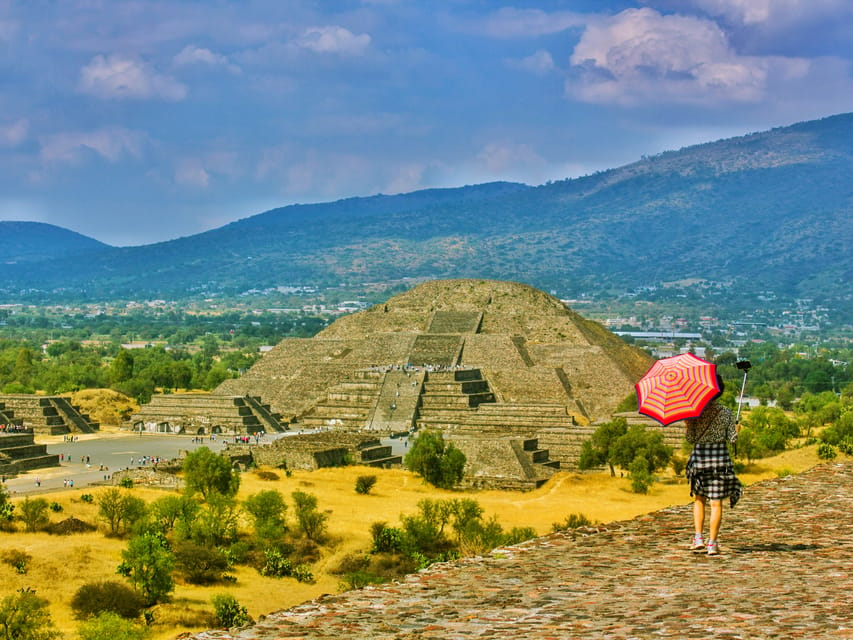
x: 767, y: 211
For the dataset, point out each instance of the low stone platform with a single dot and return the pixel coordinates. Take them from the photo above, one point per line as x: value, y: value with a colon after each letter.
x: 784, y: 572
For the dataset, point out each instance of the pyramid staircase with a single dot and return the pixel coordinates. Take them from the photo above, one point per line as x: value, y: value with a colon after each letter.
x: 47, y: 415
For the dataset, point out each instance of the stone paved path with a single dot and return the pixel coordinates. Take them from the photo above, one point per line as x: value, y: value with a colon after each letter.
x: 784, y: 572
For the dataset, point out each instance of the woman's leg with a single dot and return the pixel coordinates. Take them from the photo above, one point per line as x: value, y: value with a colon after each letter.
x: 698, y: 514
x: 716, y: 518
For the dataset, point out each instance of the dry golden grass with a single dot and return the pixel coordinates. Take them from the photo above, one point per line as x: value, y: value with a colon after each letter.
x: 104, y: 406
x: 61, y: 564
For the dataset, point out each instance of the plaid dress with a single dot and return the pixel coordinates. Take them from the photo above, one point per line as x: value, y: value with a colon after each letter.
x: 710, y: 470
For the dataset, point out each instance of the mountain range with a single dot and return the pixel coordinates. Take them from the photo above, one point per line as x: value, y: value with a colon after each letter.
x: 765, y: 211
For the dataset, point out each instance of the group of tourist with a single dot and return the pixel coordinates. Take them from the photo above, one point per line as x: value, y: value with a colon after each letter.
x: 13, y: 428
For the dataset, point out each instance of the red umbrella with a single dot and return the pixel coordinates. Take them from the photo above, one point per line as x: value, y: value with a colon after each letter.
x: 677, y: 388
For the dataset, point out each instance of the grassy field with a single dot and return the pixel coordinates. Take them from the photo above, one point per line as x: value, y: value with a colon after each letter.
x: 61, y: 564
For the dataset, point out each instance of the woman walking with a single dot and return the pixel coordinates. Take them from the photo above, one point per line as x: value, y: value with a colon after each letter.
x: 710, y: 471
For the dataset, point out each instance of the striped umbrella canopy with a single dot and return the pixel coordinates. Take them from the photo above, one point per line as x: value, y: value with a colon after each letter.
x: 677, y: 388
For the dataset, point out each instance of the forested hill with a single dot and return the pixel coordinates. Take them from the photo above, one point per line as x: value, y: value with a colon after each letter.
x: 767, y: 211
x: 35, y: 241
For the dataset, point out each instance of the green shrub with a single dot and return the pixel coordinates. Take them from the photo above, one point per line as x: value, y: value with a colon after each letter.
x: 263, y: 474
x: 199, y: 564
x: 126, y: 482
x: 276, y: 565
x: 17, y: 559
x: 88, y: 498
x: 640, y: 474
x: 302, y: 573
x: 363, y: 484
x: 572, y: 521
x: 229, y: 613
x: 826, y: 451
x: 94, y: 598
x: 386, y: 539
x: 359, y: 579
x: 55, y: 507
x: 112, y: 626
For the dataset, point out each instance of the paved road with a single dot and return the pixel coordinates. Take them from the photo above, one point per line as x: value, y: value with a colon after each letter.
x: 90, y: 459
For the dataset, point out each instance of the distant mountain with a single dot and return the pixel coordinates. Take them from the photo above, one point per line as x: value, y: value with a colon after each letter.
x: 767, y: 211
x: 35, y: 241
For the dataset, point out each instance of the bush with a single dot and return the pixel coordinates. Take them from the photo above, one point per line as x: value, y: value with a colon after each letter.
x: 25, y: 616
x: 640, y: 474
x: 302, y: 573
x: 363, y: 484
x: 107, y: 596
x: 88, y: 498
x: 386, y: 539
x: 826, y: 451
x: 55, y: 507
x: 438, y: 463
x: 263, y: 474
x: 276, y: 565
x: 126, y: 482
x: 200, y: 565
x: 33, y: 513
x: 572, y: 521
x: 229, y: 613
x: 17, y: 559
x: 312, y: 523
x: 112, y: 626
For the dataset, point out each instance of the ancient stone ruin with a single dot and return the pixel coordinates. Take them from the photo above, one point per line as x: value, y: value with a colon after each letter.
x: 45, y: 415
x: 508, y: 373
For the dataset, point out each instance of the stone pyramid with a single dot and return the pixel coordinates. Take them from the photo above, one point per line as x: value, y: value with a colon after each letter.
x: 498, y: 344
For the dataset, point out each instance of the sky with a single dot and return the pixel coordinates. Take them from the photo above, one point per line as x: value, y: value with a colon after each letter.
x: 135, y: 122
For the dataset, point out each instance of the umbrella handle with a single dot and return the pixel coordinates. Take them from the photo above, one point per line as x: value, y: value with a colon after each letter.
x: 740, y: 400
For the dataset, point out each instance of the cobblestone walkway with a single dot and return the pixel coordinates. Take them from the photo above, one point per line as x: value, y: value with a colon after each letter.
x: 784, y: 572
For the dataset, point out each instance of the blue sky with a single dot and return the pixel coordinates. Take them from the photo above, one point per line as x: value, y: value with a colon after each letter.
x: 141, y: 121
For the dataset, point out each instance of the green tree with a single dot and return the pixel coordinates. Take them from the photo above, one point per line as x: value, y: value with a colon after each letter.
x: 440, y: 464
x: 111, y: 626
x: 312, y: 522
x: 639, y: 442
x: 120, y: 510
x: 25, y: 616
x: 33, y: 513
x: 148, y: 563
x: 597, y: 451
x: 207, y: 473
x: 267, y: 509
x: 121, y: 369
x: 24, y: 366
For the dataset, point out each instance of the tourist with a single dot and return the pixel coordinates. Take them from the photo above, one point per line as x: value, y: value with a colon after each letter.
x: 710, y: 471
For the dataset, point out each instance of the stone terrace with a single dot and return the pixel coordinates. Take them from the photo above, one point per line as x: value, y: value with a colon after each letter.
x: 784, y: 572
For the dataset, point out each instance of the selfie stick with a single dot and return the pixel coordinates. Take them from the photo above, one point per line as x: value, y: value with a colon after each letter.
x: 740, y: 400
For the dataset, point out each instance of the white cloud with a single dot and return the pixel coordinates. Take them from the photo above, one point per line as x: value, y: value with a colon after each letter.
x: 13, y: 134
x: 117, y: 76
x: 406, y: 178
x: 112, y: 144
x: 190, y: 55
x: 334, y: 39
x: 757, y: 12
x: 191, y: 173
x: 539, y: 63
x: 640, y: 55
x: 514, y: 23
x: 498, y: 158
